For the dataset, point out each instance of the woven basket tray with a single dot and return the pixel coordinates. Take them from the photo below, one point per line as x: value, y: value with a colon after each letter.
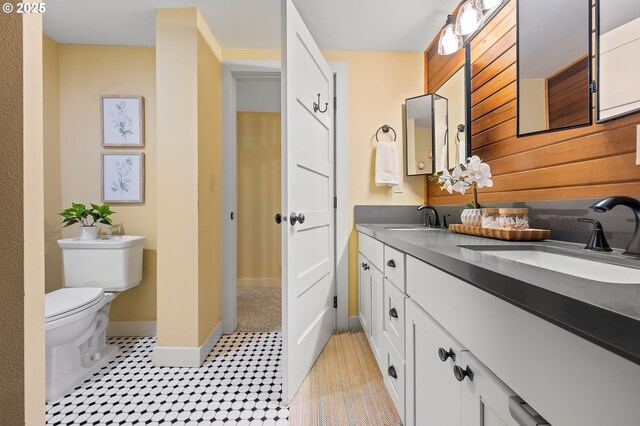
x: 502, y: 234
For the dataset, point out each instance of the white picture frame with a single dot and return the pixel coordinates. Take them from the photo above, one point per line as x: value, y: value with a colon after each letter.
x: 122, y: 177
x: 122, y: 120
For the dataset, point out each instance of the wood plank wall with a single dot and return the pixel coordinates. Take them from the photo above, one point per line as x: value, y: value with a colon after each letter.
x: 568, y: 96
x: 586, y: 162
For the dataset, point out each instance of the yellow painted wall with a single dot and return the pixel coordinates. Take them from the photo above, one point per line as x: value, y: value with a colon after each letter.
x: 188, y: 74
x: 379, y: 83
x: 33, y: 207
x: 177, y: 97
x: 209, y: 176
x: 86, y: 72
x: 259, y: 198
x: 52, y: 173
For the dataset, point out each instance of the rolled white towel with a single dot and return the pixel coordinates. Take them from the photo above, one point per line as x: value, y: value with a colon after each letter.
x: 387, y: 164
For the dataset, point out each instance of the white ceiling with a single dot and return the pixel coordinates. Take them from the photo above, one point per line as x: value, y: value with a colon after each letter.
x: 401, y: 25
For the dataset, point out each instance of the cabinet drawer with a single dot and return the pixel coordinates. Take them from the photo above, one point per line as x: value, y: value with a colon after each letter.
x: 372, y: 249
x: 394, y: 366
x: 394, y: 266
x: 394, y: 317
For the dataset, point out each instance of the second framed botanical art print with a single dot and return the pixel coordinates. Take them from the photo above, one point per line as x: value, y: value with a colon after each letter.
x: 122, y: 120
x: 122, y: 177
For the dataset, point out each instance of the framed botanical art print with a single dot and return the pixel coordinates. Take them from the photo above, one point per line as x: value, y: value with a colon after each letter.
x: 122, y: 120
x: 122, y: 177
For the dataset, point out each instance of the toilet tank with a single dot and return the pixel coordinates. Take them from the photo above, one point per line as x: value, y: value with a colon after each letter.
x: 115, y: 263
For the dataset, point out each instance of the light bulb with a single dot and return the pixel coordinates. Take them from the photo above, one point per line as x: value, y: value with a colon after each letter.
x: 469, y: 18
x: 449, y: 41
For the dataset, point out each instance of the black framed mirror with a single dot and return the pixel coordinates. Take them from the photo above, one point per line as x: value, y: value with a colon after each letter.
x: 617, y: 53
x: 455, y: 148
x: 425, y: 128
x: 553, y: 65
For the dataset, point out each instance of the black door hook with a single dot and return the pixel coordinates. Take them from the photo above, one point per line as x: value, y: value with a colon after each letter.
x: 316, y: 106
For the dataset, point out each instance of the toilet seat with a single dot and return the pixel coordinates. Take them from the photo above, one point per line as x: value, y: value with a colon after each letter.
x: 67, y: 301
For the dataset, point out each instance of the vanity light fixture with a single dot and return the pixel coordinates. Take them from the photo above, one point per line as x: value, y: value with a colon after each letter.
x: 469, y: 18
x: 449, y: 41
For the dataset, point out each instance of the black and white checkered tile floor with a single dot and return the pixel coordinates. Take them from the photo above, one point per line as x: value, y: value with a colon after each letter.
x: 239, y: 384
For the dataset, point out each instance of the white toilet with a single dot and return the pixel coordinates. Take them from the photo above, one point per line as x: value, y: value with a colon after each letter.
x: 76, y: 317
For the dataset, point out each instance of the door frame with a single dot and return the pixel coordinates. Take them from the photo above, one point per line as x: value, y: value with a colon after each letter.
x: 232, y: 71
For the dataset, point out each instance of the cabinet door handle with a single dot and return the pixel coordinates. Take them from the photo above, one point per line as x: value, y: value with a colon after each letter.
x: 460, y: 374
x: 445, y: 355
x: 391, y: 263
x: 365, y: 266
x: 392, y: 372
x: 393, y: 313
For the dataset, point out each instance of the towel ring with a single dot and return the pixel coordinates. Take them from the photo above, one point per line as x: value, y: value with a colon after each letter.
x: 385, y: 129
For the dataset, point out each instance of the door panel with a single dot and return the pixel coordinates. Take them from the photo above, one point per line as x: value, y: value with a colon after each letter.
x: 485, y: 399
x: 433, y: 393
x: 378, y: 340
x: 308, y: 268
x: 364, y: 294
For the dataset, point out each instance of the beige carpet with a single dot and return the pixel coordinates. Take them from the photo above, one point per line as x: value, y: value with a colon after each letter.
x: 344, y: 387
x: 259, y: 309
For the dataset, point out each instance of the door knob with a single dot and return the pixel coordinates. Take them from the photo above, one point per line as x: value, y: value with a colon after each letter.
x: 391, y: 263
x: 392, y: 372
x: 294, y: 218
x: 460, y: 374
x: 445, y: 355
x: 393, y: 313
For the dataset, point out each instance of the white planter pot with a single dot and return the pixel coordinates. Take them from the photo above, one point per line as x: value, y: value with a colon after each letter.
x: 471, y: 217
x: 88, y: 233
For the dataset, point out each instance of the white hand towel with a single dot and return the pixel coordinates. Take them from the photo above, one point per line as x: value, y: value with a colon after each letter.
x: 387, y: 164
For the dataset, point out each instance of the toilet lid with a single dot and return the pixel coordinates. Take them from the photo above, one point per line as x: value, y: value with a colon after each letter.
x: 60, y: 302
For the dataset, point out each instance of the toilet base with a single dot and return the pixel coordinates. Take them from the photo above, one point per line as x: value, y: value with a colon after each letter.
x: 69, y: 363
x: 72, y: 380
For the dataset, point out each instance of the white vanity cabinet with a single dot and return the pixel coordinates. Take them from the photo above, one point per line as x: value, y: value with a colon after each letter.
x: 364, y: 294
x: 371, y: 294
x: 485, y: 399
x: 432, y: 393
x: 378, y: 343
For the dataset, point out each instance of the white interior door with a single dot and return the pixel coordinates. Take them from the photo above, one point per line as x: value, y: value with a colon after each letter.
x: 308, y: 270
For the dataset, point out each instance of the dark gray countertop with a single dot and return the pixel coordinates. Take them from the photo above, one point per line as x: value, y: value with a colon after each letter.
x: 606, y: 314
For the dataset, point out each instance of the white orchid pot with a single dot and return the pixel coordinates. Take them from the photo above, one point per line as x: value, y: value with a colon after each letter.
x: 88, y: 233
x: 471, y: 217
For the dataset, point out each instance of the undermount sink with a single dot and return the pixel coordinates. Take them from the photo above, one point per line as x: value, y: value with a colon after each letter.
x: 411, y: 228
x: 566, y: 263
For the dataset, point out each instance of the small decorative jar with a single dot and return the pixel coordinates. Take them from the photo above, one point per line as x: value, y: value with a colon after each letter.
x: 490, y: 218
x: 517, y: 219
x: 471, y: 217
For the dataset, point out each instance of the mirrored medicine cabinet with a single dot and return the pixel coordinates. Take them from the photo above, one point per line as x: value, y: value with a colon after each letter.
x: 554, y: 65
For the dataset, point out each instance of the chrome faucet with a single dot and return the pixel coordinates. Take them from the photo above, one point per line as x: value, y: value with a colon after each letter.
x: 435, y: 214
x: 607, y: 204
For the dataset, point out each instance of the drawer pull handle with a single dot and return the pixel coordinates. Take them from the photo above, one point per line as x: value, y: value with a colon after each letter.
x: 460, y: 374
x: 391, y: 263
x: 445, y: 355
x: 392, y: 372
x: 393, y: 313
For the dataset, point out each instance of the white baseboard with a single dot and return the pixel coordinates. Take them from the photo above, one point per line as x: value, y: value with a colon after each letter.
x: 172, y: 356
x: 354, y: 323
x: 131, y: 328
x: 259, y: 282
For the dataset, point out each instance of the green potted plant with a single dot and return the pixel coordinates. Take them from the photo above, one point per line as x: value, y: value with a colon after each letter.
x: 87, y: 218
